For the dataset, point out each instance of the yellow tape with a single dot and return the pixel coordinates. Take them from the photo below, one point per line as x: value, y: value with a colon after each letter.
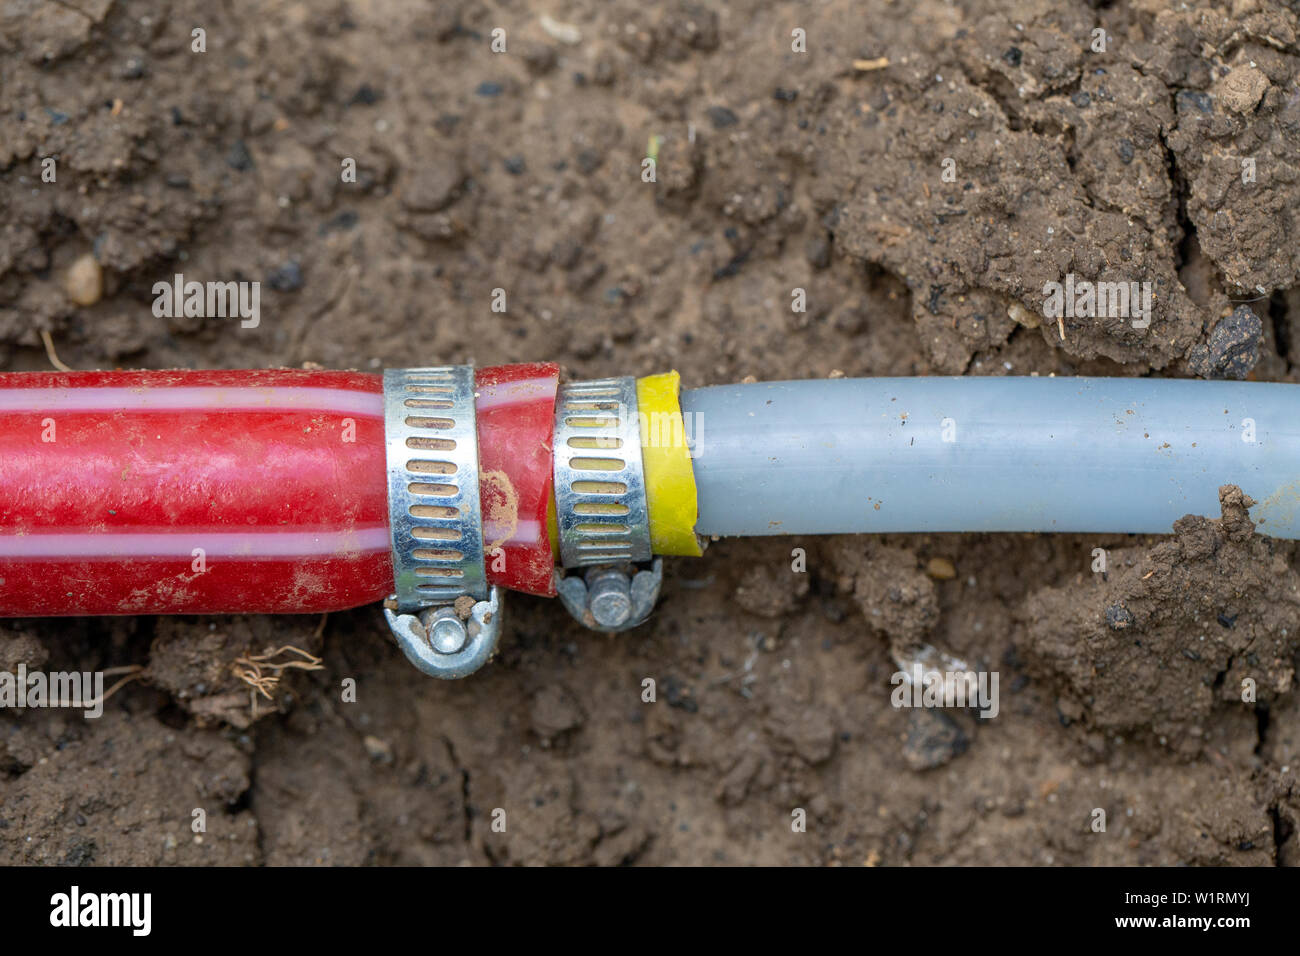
x: 669, y: 476
x: 552, y: 526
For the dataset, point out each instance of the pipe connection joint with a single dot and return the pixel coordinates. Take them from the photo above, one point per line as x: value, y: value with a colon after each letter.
x: 442, y: 612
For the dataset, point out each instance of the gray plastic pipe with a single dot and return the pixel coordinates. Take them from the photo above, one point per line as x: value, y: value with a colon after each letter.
x: 990, y: 454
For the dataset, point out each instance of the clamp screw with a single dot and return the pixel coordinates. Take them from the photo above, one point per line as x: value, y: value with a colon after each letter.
x: 609, y: 598
x: 440, y: 644
x: 447, y: 634
x: 612, y: 598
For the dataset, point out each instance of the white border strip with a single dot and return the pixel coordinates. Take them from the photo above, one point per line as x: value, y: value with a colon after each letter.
x: 256, y: 545
x: 505, y: 394
x: 192, y: 398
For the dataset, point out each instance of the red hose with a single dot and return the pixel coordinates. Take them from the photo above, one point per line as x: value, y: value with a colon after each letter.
x: 218, y: 492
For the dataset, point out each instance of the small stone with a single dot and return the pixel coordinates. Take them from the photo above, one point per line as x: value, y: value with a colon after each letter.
x: 1243, y: 88
x: 589, y: 160
x: 1118, y: 617
x: 564, y: 32
x: 680, y: 695
x: 1194, y: 100
x: 817, y: 251
x: 433, y: 187
x: 1233, y: 348
x: 378, y: 750
x: 1012, y: 56
x: 941, y: 569
x: 366, y: 95
x: 933, y: 739
x: 287, y: 278
x: 84, y: 282
x: 721, y: 117
x: 239, y: 157
x: 515, y: 165
x: 1022, y: 316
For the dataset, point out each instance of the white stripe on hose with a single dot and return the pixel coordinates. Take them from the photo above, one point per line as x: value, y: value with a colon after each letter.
x: 191, y: 398
x: 256, y: 545
x: 527, y: 532
x: 523, y: 392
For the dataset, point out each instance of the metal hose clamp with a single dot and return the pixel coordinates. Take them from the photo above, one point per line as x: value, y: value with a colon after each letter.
x: 442, y: 613
x: 600, y: 496
x: 601, y: 506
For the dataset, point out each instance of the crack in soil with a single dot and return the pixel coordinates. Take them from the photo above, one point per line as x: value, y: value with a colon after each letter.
x: 464, y: 789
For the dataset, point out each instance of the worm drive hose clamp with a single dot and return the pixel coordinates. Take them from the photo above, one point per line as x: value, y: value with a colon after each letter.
x: 445, y: 617
x: 601, y: 506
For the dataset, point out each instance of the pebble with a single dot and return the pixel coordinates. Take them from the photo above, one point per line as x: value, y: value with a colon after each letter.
x: 366, y: 95
x: 238, y: 157
x: 1022, y: 316
x: 1194, y: 99
x: 941, y: 569
x: 1233, y: 348
x: 817, y: 251
x: 287, y: 278
x: 84, y: 282
x: 564, y: 32
x: 1118, y: 617
x: 933, y: 739
x: 721, y: 117
x: 377, y: 749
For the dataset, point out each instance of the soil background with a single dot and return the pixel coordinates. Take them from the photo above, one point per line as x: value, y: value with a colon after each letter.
x: 776, y: 170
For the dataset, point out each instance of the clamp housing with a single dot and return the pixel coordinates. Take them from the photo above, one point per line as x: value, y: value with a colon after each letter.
x: 442, y: 612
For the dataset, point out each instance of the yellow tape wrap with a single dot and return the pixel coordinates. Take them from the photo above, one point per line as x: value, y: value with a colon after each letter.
x: 669, y: 477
